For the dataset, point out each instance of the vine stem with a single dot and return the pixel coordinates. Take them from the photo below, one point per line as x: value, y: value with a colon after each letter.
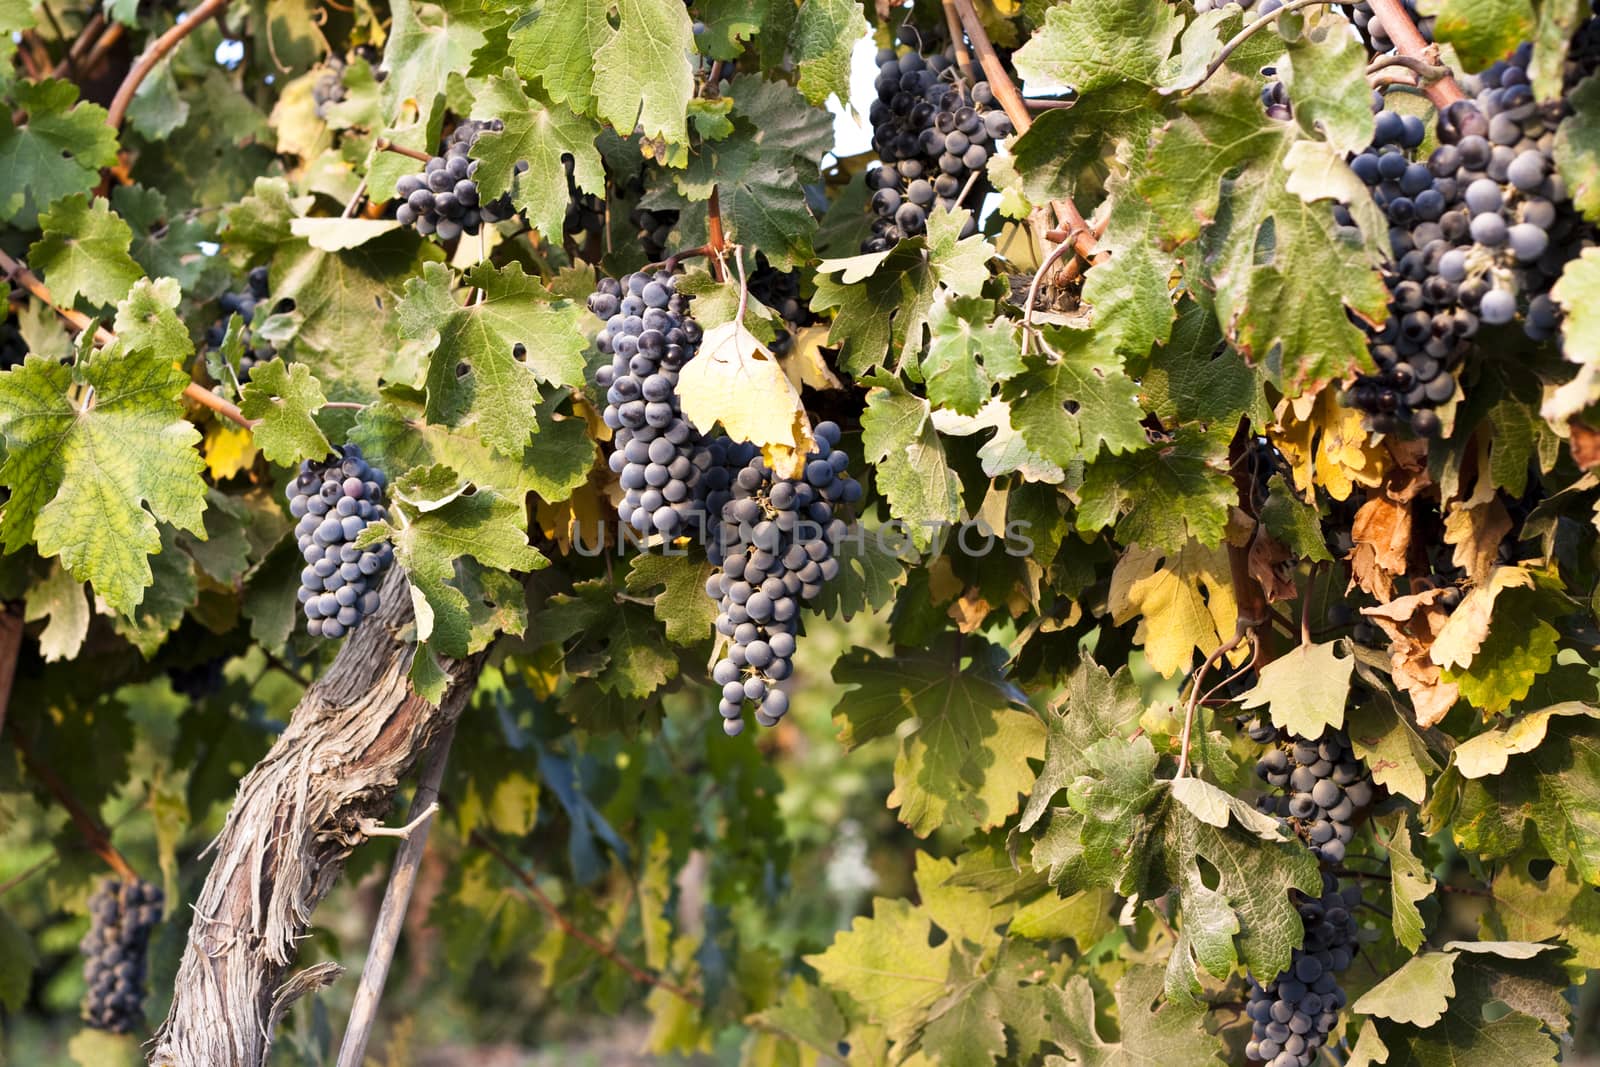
x: 548, y: 906
x: 94, y: 834
x: 155, y: 54
x: 383, y: 144
x: 953, y: 21
x: 1016, y: 109
x: 718, y: 242
x: 18, y: 272
x: 1408, y: 41
x: 1241, y: 633
x: 396, y: 900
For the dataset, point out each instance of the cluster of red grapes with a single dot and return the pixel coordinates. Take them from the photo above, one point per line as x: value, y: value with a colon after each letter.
x: 335, y: 500
x: 774, y: 547
x: 121, y: 916
x: 444, y: 198
x: 245, y: 304
x: 659, y: 457
x: 934, y: 135
x: 1324, y: 786
x: 1293, y: 1014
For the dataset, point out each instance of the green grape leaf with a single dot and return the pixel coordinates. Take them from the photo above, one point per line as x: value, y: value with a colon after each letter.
x: 776, y: 112
x: 1508, y: 662
x: 1173, y: 1035
x: 1294, y: 523
x: 1385, y: 739
x: 84, y: 252
x: 1130, y: 292
x: 147, y: 319
x: 1004, y: 453
x: 1482, y: 31
x: 1269, y: 227
x: 1326, y: 75
x: 682, y: 605
x: 885, y: 965
x: 759, y: 195
x: 1306, y: 689
x: 1074, y: 400
x: 1578, y: 293
x: 641, y: 72
x: 173, y: 590
x: 1409, y: 883
x: 898, y: 439
x: 1557, y: 905
x: 429, y: 540
x: 1577, y: 148
x: 1418, y: 993
x: 822, y: 39
x: 426, y: 44
x: 965, y: 744
x: 17, y: 963
x: 540, y: 136
x: 1165, y: 495
x: 1094, y: 705
x: 872, y: 565
x: 165, y: 244
x: 498, y: 393
x: 59, y: 597
x: 1194, y: 376
x: 629, y: 658
x: 58, y: 152
x: 969, y: 350
x: 89, y: 482
x: 395, y: 435
x: 224, y: 554
x: 556, y: 47
x: 1556, y: 787
x: 285, y: 397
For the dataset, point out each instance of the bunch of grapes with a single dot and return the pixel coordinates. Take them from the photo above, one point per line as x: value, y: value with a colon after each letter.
x: 1325, y: 785
x: 780, y: 291
x: 933, y: 135
x: 245, y: 303
x: 121, y: 916
x: 774, y: 550
x: 328, y: 89
x: 1292, y: 1015
x: 335, y: 500
x: 659, y: 457
x: 444, y: 199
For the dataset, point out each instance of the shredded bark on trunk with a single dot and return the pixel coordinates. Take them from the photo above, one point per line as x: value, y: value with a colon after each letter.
x: 356, y: 733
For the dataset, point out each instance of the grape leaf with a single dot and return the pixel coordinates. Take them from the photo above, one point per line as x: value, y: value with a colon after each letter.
x: 1577, y: 148
x: 1129, y: 293
x: 90, y: 481
x: 759, y: 196
x: 285, y: 397
x: 630, y: 659
x: 1005, y: 452
x: 555, y: 45
x: 1265, y: 234
x: 1326, y: 75
x: 824, y: 35
x: 1184, y: 602
x: 968, y: 749
x: 641, y: 72
x: 776, y: 112
x: 1418, y: 993
x: 1075, y: 399
x: 1166, y: 495
x: 872, y: 564
x: 1093, y: 706
x: 428, y: 544
x: 1294, y: 523
x: 499, y: 391
x: 1537, y: 909
x: 542, y: 136
x: 1409, y: 883
x: 84, y: 251
x: 1169, y: 1036
x: 165, y: 243
x: 1306, y: 689
x: 1578, y: 293
x: 173, y: 590
x: 886, y: 966
x: 58, y: 152
x: 1386, y: 741
x: 59, y: 597
x: 1489, y: 753
x: 16, y: 972
x: 969, y: 350
x: 898, y: 439
x: 1482, y: 31
x: 682, y: 605
x: 428, y: 42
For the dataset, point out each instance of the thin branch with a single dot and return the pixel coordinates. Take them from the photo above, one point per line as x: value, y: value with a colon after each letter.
x: 344, y: 405
x: 1249, y: 31
x: 1420, y: 67
x: 396, y: 899
x: 1241, y: 633
x: 1033, y: 292
x: 718, y: 243
x: 94, y: 834
x: 103, y: 45
x: 548, y: 906
x: 383, y: 144
x: 958, y: 40
x: 1039, y: 103
x: 994, y: 71
x: 154, y: 55
x: 207, y: 399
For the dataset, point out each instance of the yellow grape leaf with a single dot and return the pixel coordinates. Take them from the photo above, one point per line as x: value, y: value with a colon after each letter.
x: 1183, y: 602
x: 582, y: 510
x: 1464, y: 634
x: 229, y: 450
x: 736, y: 381
x: 1327, y: 445
x: 804, y: 364
x: 1477, y: 525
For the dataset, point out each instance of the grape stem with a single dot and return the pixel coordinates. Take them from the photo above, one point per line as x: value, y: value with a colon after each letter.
x: 531, y: 889
x: 1241, y: 633
x: 18, y: 272
x: 718, y: 244
x: 963, y: 57
x: 396, y: 899
x: 155, y: 54
x: 94, y: 834
x: 383, y: 144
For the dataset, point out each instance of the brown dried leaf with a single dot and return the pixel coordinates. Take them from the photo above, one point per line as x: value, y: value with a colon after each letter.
x: 1413, y: 624
x: 969, y: 610
x: 1382, y: 536
x: 1272, y: 567
x: 1585, y: 444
